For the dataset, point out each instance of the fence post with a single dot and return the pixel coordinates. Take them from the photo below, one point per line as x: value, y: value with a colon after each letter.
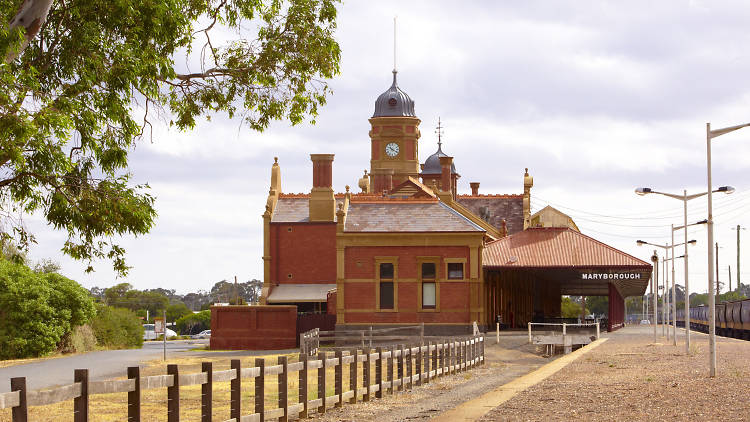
x: 81, y: 403
x: 207, y: 393
x: 483, y: 341
x: 379, y: 373
x: 400, y: 369
x: 464, y: 350
x: 283, y: 388
x: 235, y: 405
x: 421, y: 334
x: 338, y: 380
x: 389, y: 376
x: 173, y: 394
x: 418, y: 365
x: 134, y: 397
x: 302, y: 344
x: 19, y: 413
x: 597, y: 330
x: 362, y: 337
x: 322, y: 382
x: 370, y: 340
x: 353, y: 376
x: 260, y: 384
x: 427, y: 360
x: 529, y: 324
x: 409, y: 372
x: 366, y: 381
x: 302, y: 390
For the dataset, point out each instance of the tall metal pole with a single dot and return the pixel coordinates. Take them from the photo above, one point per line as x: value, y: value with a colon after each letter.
x: 738, y: 256
x: 674, y: 297
x: 718, y: 290
x: 664, y: 307
x: 711, y: 301
x: 687, y: 286
x: 655, y: 288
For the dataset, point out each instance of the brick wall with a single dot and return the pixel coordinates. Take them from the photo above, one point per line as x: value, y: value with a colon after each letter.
x: 253, y: 327
x: 360, y: 287
x: 306, y: 251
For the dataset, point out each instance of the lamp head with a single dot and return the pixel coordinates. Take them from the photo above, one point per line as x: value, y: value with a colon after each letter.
x: 692, y: 242
x: 704, y: 221
x: 642, y: 191
x: 726, y: 189
x: 640, y: 242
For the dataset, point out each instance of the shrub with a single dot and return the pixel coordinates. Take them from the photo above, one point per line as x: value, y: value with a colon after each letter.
x: 117, y: 328
x: 38, y: 312
x: 83, y: 339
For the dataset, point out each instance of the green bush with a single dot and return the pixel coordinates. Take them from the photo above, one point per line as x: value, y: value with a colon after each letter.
x: 38, y: 312
x: 194, y: 323
x: 117, y: 328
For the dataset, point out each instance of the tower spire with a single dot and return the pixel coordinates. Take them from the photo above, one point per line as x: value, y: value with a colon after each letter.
x: 439, y: 131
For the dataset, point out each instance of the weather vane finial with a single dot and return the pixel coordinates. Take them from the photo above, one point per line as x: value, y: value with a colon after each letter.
x: 394, y: 44
x: 439, y: 131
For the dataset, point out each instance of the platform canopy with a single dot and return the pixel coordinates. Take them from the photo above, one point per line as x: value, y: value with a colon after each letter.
x: 584, y: 266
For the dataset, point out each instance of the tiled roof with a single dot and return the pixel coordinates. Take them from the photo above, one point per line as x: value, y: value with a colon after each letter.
x: 406, y: 216
x: 495, y: 208
x: 294, y: 209
x: 555, y: 247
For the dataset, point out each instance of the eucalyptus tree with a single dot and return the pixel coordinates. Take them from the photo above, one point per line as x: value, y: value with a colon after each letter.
x: 82, y: 80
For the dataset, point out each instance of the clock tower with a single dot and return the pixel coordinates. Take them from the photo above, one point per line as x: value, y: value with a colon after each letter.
x: 394, y: 136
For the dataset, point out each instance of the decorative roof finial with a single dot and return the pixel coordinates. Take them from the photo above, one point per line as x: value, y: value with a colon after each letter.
x: 439, y: 131
x: 394, y: 48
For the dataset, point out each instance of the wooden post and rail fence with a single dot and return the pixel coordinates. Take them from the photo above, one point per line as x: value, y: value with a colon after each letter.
x: 310, y: 341
x: 412, y: 365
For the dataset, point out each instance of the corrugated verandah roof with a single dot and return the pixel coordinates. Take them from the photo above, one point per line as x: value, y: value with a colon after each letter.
x: 555, y: 247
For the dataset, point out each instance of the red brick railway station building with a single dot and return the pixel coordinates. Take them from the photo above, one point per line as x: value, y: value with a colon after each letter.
x: 408, y: 249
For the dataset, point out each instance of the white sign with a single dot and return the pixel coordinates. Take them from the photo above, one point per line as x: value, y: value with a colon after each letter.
x: 611, y: 276
x: 159, y: 325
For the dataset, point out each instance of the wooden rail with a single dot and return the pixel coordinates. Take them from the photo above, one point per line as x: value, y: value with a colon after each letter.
x: 412, y: 365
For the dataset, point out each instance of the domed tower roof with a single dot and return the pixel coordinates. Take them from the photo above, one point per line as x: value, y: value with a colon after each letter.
x: 432, y: 163
x: 394, y: 102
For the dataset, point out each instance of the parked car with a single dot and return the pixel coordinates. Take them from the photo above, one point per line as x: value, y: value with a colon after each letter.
x: 645, y: 322
x: 150, y: 334
x: 202, y: 334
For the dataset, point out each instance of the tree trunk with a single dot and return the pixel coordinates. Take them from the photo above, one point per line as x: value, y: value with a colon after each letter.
x: 31, y: 16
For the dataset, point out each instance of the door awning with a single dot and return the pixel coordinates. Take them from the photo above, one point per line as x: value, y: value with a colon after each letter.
x: 295, y: 293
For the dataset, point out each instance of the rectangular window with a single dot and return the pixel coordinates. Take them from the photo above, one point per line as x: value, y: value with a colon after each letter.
x: 455, y: 271
x: 428, y: 295
x: 386, y: 271
x: 386, y: 295
x: 428, y: 270
x: 386, y: 285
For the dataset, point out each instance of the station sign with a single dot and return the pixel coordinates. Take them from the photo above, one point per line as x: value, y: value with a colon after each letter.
x: 594, y: 275
x: 159, y: 325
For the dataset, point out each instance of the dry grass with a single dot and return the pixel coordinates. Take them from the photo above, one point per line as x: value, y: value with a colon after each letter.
x: 113, y: 407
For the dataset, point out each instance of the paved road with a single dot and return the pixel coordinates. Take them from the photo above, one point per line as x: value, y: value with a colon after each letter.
x: 101, y: 365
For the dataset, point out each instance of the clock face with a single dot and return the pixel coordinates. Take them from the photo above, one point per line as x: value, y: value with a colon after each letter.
x: 391, y: 149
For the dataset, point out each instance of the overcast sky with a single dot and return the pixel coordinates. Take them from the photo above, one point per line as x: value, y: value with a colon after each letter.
x: 595, y: 98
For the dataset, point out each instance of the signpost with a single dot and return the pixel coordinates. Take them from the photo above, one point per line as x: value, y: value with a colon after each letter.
x: 160, y: 327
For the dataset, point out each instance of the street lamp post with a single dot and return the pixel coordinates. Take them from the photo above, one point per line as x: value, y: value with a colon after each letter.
x: 668, y: 248
x: 710, y: 134
x: 684, y: 198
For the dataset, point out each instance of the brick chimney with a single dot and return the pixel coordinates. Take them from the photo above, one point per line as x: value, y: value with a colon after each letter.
x: 382, y: 180
x: 322, y: 204
x: 474, y: 188
x: 446, y: 183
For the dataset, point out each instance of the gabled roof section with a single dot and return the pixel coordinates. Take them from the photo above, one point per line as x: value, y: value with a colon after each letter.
x: 492, y: 231
x: 555, y: 248
x: 412, y: 188
x: 552, y: 217
x: 394, y: 216
x: 495, y: 208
